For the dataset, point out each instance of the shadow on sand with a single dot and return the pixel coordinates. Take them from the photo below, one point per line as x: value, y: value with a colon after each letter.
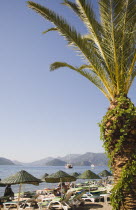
x: 90, y: 206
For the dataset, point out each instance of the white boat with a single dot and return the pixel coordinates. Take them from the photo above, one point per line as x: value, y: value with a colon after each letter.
x: 92, y: 165
x: 68, y: 165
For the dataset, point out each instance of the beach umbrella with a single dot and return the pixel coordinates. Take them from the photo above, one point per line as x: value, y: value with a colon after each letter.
x: 59, y: 176
x: 44, y: 176
x: 1, y: 184
x: 21, y: 177
x: 75, y: 174
x: 88, y: 174
x: 105, y: 173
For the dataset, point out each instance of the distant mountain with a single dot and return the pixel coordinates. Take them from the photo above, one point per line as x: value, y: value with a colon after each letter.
x: 97, y: 159
x: 5, y: 161
x: 69, y: 157
x: 41, y: 162
x: 18, y: 163
x: 82, y: 163
x: 56, y: 162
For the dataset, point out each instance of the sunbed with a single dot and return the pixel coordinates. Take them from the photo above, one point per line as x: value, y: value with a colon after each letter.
x: 76, y: 200
x: 57, y: 202
x: 91, y: 197
x: 12, y: 204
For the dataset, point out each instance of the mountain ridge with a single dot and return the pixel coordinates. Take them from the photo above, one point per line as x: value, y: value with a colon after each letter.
x: 5, y: 161
x: 86, y: 159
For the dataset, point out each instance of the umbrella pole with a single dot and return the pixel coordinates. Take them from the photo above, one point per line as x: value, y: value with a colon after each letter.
x: 19, y: 196
x: 89, y: 186
x: 61, y: 187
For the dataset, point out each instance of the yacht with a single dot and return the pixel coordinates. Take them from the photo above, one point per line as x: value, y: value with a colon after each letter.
x: 68, y: 165
x: 92, y: 165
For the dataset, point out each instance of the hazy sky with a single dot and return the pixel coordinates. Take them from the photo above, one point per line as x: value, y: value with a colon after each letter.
x: 44, y: 113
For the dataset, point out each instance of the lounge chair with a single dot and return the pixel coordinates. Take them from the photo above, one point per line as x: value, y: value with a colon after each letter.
x: 91, y: 197
x: 12, y: 204
x: 57, y: 202
x: 76, y: 200
x: 31, y: 202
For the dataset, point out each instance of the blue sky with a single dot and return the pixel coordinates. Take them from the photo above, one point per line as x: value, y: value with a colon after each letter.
x: 44, y: 113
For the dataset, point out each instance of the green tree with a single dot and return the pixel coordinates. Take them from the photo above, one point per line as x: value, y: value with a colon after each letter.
x: 108, y: 49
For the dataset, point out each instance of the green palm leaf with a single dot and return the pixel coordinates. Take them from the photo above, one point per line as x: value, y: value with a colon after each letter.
x: 118, y: 21
x: 109, y: 45
x: 84, y: 70
x: 86, y: 14
x: 50, y: 29
x: 73, y: 6
x: 89, y: 51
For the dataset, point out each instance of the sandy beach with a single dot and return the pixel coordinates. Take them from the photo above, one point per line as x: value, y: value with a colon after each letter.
x: 98, y: 206
x: 87, y: 206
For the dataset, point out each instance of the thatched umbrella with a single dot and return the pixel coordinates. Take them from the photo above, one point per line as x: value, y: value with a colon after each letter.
x: 75, y: 174
x: 44, y: 176
x: 88, y: 174
x: 2, y: 185
x: 21, y: 177
x: 105, y: 173
x: 60, y: 176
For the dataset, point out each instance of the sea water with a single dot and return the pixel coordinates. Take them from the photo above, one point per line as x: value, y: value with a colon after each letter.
x: 39, y: 171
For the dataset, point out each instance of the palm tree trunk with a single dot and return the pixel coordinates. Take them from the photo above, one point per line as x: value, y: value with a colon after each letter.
x: 119, y: 136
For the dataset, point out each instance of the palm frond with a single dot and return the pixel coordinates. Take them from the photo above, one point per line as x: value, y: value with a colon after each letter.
x: 95, y: 30
x: 57, y: 65
x: 78, y: 42
x: 50, y: 29
x: 70, y: 34
x: 85, y: 12
x: 89, y: 74
x: 107, y: 19
x: 118, y: 18
x: 131, y: 74
x: 73, y: 6
x: 127, y: 41
x: 108, y: 48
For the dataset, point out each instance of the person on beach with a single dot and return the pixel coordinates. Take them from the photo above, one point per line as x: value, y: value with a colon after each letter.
x: 9, y: 192
x: 1, y: 204
x: 64, y: 187
x: 56, y: 192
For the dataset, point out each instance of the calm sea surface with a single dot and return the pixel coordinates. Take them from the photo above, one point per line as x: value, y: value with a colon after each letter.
x: 39, y: 171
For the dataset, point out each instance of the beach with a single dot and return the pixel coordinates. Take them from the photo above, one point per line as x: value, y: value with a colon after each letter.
x: 87, y: 206
x: 98, y: 206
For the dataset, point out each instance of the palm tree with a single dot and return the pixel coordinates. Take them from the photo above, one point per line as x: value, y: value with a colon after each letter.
x: 108, y: 49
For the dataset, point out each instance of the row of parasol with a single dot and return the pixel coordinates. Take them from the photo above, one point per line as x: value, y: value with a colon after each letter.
x: 23, y: 177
